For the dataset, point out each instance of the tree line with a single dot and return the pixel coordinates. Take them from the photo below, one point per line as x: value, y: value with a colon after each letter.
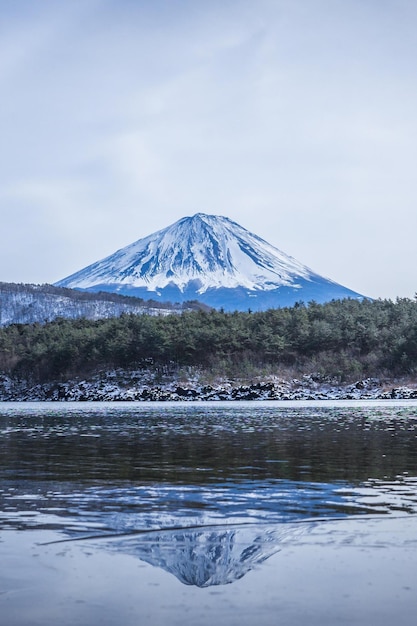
x: 346, y: 339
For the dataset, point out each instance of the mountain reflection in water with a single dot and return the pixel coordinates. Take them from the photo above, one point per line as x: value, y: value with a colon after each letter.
x: 207, y: 493
x: 209, y: 556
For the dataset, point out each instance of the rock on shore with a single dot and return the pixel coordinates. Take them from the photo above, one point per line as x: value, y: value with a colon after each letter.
x: 146, y: 385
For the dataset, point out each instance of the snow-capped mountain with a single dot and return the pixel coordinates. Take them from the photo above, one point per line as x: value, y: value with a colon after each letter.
x: 212, y: 259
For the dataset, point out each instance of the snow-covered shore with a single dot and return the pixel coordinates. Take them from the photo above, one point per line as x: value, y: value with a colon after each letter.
x: 147, y: 385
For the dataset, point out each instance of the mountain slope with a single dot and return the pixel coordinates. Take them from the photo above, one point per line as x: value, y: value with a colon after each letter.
x: 212, y: 259
x: 26, y: 304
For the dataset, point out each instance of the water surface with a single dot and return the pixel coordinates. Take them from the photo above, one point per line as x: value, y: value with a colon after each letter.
x: 138, y: 509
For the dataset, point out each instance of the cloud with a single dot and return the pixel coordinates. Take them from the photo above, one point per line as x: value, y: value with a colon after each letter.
x: 296, y: 119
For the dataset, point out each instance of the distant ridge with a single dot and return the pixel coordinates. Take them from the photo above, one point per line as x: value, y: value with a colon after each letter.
x: 211, y: 259
x: 27, y: 304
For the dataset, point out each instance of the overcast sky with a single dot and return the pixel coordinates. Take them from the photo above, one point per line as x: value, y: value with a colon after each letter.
x: 295, y: 118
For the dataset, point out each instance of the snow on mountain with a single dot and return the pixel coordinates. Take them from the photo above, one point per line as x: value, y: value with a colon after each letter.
x: 26, y: 304
x: 212, y: 250
x: 209, y: 258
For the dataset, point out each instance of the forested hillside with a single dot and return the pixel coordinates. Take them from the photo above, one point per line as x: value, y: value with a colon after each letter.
x: 347, y: 339
x: 27, y: 304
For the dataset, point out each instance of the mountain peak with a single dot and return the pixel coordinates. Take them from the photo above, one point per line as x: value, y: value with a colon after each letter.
x: 209, y: 258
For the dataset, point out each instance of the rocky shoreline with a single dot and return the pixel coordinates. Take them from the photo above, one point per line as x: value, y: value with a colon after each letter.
x: 147, y: 386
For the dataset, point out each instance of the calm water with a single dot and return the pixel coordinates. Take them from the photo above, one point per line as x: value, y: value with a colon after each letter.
x: 226, y: 513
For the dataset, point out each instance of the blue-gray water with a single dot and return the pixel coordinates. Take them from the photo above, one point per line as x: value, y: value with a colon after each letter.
x: 136, y: 513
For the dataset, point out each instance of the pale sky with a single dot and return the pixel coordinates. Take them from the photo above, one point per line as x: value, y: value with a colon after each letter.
x: 295, y: 118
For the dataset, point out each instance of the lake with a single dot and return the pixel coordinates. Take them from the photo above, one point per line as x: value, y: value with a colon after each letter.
x: 215, y: 513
